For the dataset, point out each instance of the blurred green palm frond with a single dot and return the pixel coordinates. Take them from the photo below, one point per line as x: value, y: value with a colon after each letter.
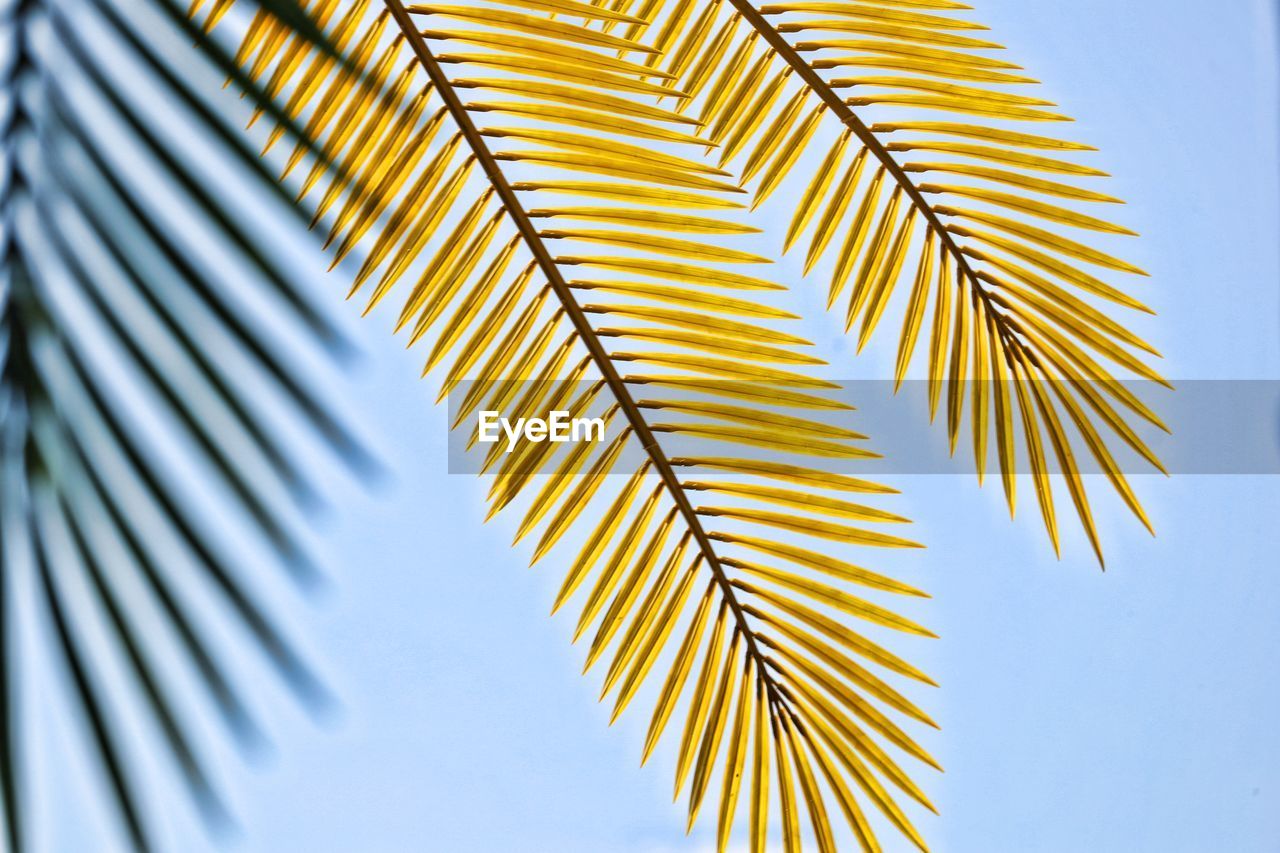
x: 154, y: 349
x: 933, y: 180
x: 546, y: 229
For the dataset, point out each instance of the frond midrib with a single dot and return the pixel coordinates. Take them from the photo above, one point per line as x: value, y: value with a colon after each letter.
x: 604, y: 363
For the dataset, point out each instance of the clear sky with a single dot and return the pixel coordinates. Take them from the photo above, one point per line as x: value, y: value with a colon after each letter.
x: 1127, y: 711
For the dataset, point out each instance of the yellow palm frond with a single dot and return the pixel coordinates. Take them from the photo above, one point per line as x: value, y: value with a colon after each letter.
x: 926, y: 182
x: 441, y: 184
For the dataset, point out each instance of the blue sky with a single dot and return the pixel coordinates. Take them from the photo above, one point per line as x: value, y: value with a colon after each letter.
x: 1125, y: 711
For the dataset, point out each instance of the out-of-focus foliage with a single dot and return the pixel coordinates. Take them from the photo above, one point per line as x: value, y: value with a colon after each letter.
x: 154, y: 413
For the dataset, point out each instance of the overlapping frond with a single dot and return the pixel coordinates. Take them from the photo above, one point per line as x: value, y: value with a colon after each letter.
x: 150, y: 473
x: 552, y: 240
x: 934, y: 183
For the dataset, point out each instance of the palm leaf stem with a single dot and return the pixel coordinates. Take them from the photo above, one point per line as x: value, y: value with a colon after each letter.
x: 546, y: 263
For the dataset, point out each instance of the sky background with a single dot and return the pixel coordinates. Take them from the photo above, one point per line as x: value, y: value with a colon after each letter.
x: 1126, y: 711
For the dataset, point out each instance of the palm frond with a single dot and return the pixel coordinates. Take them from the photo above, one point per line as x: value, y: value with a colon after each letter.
x: 926, y: 176
x: 499, y: 167
x: 150, y: 465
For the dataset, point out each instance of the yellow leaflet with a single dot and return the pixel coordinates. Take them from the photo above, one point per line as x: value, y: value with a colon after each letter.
x: 730, y: 367
x: 582, y: 493
x: 728, y: 79
x: 617, y: 167
x: 787, y: 473
x: 628, y: 193
x: 584, y: 142
x: 875, y: 259
x: 660, y: 244
x: 953, y: 90
x: 582, y: 98
x: 701, y: 699
x: 983, y: 341
x: 565, y: 474
x: 790, y: 153
x: 799, y: 500
x: 858, y: 10
x: 696, y: 321
x: 887, y: 279
x: 816, y: 190
x: 714, y: 343
x: 531, y: 24
x: 769, y: 438
x: 622, y: 553
x: 760, y: 773
x: 835, y: 211
x: 574, y: 9
x: 1055, y: 242
x: 857, y: 233
x: 786, y: 787
x: 916, y: 304
x: 959, y: 360
x: 542, y: 47
x: 938, y: 340
x: 469, y: 309
x: 717, y: 717
x: 904, y: 33
x: 667, y: 222
x: 484, y: 333
x: 1017, y: 179
x: 1055, y: 300
x: 773, y: 135
x: 956, y: 104
x: 689, y: 273
x: 686, y: 298
x: 501, y: 356
x: 593, y: 76
x: 1035, y: 451
x: 630, y: 590
x: 834, y: 630
x: 735, y: 761
x: 754, y: 417
x: 903, y: 48
x: 679, y: 672
x: 1062, y: 449
x: 587, y: 118
x: 659, y: 630
x: 809, y: 785
x: 602, y: 534
x: 1005, y: 450
x: 810, y: 526
x: 755, y: 115
x: 647, y: 611
x: 976, y: 131
x: 1027, y: 205
x: 946, y: 70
